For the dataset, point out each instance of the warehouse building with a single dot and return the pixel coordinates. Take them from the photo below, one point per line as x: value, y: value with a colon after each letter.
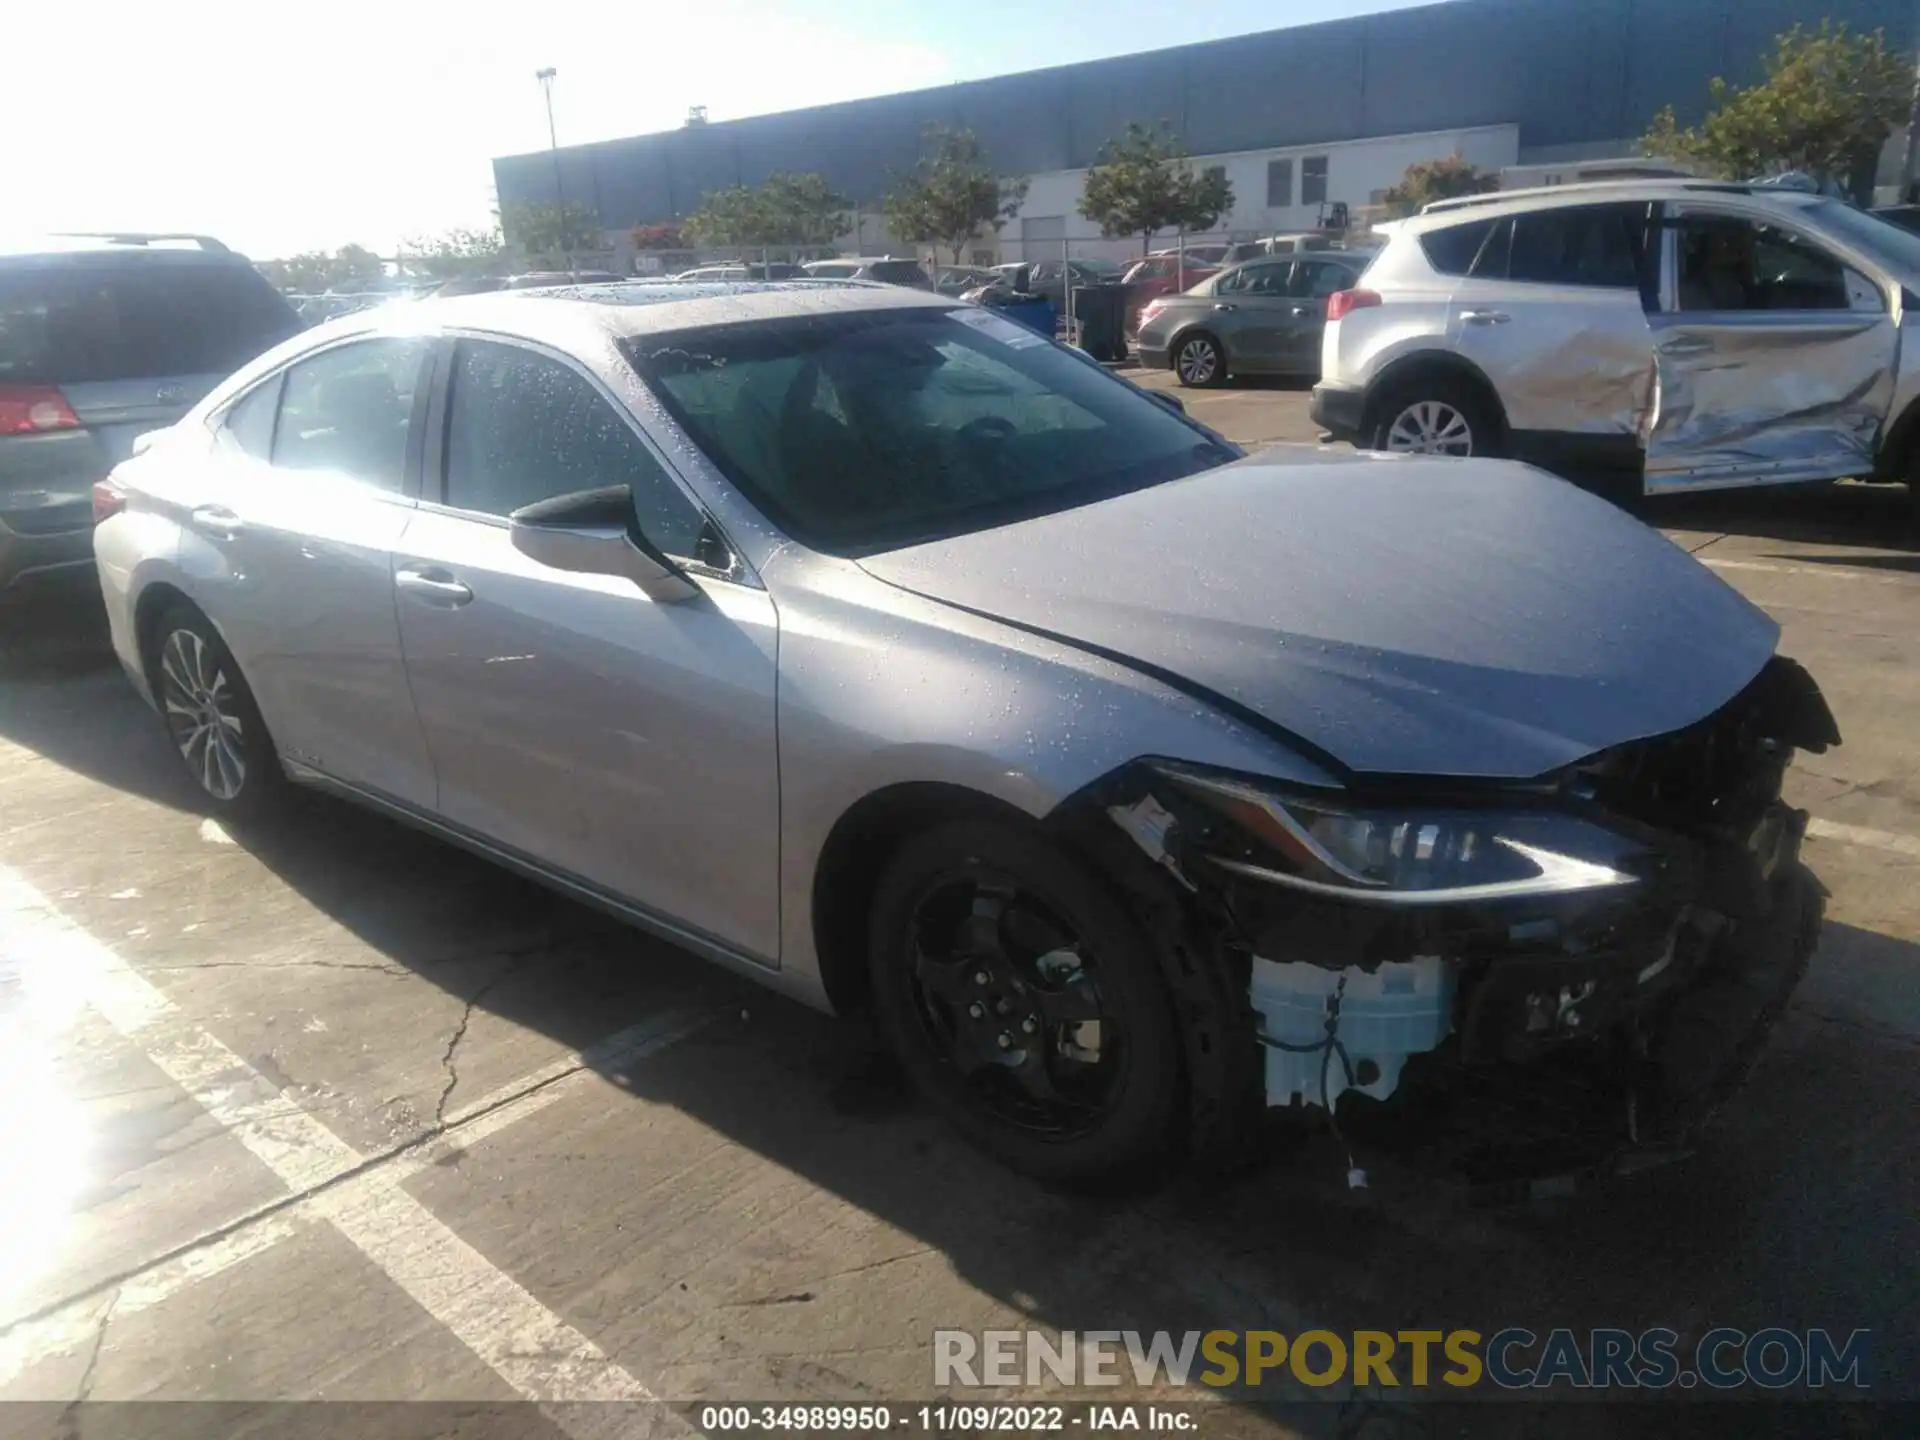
x: 1300, y: 118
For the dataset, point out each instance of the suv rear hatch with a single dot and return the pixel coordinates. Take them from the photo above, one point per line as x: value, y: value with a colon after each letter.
x: 99, y: 347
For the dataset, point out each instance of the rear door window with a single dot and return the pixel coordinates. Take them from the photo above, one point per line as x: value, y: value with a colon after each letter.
x: 76, y: 324
x: 346, y: 411
x: 1579, y: 245
x: 1317, y: 279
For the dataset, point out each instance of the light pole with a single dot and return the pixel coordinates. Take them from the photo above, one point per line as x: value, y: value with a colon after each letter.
x: 545, y: 77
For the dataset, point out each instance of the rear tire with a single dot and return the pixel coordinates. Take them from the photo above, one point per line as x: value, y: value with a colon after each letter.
x: 1435, y: 414
x: 211, y: 719
x: 1199, y: 362
x: 1064, y: 1060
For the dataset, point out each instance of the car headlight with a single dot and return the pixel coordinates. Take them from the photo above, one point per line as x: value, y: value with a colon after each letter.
x: 1387, y: 855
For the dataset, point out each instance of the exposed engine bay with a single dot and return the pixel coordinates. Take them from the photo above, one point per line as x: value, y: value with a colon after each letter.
x: 1514, y: 980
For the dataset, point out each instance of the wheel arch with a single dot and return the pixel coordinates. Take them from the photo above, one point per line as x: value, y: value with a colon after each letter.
x: 155, y: 600
x: 847, y: 873
x: 1410, y: 369
x: 1899, y: 451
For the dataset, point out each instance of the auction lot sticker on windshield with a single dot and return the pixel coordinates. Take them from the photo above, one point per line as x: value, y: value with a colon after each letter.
x: 1014, y: 337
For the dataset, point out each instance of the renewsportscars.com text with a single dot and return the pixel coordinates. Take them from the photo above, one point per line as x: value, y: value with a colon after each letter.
x: 1512, y: 1359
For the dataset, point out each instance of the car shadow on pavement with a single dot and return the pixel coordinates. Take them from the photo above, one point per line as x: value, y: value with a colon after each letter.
x: 1795, y: 1212
x: 63, y: 696
x: 1875, y: 516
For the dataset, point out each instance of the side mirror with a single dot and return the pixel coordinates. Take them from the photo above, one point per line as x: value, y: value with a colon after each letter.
x: 595, y: 532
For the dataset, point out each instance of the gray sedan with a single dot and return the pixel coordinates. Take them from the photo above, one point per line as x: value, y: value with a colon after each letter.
x: 908, y: 663
x: 1261, y: 318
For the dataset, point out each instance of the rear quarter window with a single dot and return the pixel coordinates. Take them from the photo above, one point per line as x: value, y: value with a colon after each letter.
x: 1451, y: 250
x: 72, y: 324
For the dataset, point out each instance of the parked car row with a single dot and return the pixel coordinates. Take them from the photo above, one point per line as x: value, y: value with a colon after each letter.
x: 940, y: 728
x: 1263, y: 317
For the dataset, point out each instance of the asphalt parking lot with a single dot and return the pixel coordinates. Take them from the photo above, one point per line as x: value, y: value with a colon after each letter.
x: 333, y: 1111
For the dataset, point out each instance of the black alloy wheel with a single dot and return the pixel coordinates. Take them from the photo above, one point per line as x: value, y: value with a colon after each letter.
x: 1025, y: 1002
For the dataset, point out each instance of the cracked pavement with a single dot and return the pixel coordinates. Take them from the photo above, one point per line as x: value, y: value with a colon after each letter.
x: 752, y: 1209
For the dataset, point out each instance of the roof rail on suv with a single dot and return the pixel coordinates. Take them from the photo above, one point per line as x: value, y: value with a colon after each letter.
x: 144, y: 237
x: 1586, y: 187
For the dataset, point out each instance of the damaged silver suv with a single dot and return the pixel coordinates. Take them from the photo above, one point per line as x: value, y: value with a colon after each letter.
x: 890, y: 654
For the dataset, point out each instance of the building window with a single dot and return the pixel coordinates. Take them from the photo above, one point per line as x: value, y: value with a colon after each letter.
x: 1279, y: 184
x: 1313, y: 180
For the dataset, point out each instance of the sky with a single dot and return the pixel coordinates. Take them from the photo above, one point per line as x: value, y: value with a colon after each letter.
x: 282, y: 129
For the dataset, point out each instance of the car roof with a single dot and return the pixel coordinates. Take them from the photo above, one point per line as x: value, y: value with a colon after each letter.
x: 1511, y: 202
x: 137, y: 246
x: 577, y: 316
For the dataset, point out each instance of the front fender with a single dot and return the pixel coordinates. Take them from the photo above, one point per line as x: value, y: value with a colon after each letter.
x: 880, y: 688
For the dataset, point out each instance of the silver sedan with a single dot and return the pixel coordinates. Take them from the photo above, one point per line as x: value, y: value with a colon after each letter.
x: 907, y: 662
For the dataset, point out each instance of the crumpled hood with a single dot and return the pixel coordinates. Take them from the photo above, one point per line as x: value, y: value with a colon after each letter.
x: 1402, y: 616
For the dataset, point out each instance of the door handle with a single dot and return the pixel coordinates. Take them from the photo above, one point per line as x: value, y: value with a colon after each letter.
x: 216, y: 521
x: 1687, y: 345
x: 1304, y: 310
x: 1485, y: 317
x: 1226, y: 307
x: 432, y: 586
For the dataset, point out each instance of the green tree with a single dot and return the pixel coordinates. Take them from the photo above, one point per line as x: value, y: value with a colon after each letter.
x: 952, y: 193
x: 455, y: 253
x: 1829, y: 100
x: 727, y: 217
x: 314, y: 272
x: 542, y: 229
x: 787, y: 211
x: 1441, y: 179
x: 1145, y: 183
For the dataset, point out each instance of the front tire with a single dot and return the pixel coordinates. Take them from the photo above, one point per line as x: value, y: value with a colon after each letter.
x: 1026, y: 1003
x: 1199, y: 362
x: 211, y: 718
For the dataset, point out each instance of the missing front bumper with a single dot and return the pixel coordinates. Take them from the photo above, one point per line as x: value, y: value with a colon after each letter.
x: 1617, y: 1103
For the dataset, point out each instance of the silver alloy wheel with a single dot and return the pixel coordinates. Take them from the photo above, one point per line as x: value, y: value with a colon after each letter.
x: 1198, y: 361
x: 1430, y: 427
x: 202, y: 714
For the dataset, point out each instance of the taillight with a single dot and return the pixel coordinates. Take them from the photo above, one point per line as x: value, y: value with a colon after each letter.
x: 1151, y: 309
x: 108, y: 499
x: 1345, y: 302
x: 29, y: 409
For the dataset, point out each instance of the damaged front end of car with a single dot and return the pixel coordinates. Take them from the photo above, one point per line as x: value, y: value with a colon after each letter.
x: 1516, y: 984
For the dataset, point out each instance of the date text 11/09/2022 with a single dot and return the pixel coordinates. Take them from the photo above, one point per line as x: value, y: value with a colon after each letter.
x: 943, y: 1419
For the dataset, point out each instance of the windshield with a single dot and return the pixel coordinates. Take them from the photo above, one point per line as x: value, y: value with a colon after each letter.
x: 863, y: 432
x: 1898, y: 249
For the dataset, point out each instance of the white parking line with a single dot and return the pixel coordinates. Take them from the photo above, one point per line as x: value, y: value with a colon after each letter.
x: 70, y: 1330
x: 1862, y: 835
x: 530, y: 1347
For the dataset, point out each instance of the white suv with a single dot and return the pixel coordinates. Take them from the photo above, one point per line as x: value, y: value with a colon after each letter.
x: 1674, y: 334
